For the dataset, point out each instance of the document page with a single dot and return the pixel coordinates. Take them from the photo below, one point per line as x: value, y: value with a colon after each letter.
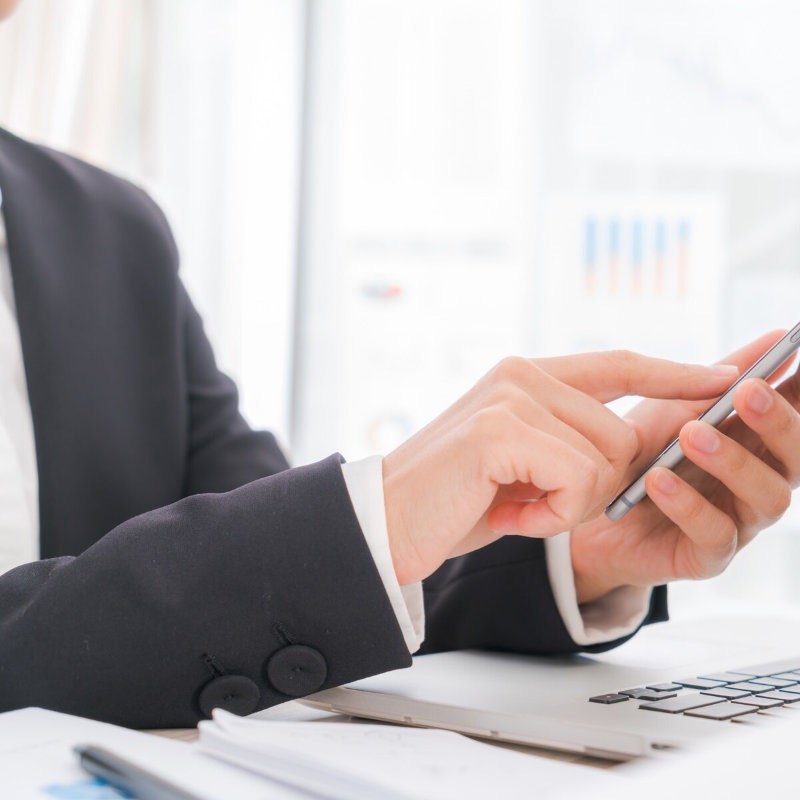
x: 37, y: 761
x: 362, y: 760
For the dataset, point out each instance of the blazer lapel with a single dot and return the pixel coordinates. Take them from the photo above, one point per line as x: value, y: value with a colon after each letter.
x: 97, y: 302
x: 42, y: 248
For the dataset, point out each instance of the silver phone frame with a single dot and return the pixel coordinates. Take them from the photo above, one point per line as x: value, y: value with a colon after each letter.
x: 672, y: 455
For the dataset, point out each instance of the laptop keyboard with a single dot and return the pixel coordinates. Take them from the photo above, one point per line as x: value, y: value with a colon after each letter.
x: 719, y: 695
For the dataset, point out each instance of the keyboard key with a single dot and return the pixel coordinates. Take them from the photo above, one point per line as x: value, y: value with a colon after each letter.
x: 787, y: 697
x: 724, y: 677
x: 727, y: 692
x: 761, y: 701
x: 722, y: 711
x: 771, y: 667
x: 683, y: 702
x: 700, y: 683
x: 646, y: 694
x: 790, y: 676
x: 748, y: 686
x: 791, y: 689
x: 664, y: 687
x: 775, y: 683
x: 608, y: 699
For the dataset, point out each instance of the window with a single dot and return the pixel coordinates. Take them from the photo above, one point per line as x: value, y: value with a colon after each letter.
x: 469, y: 179
x: 489, y: 178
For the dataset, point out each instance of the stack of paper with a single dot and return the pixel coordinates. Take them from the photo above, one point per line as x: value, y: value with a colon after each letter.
x: 358, y: 760
x: 261, y: 759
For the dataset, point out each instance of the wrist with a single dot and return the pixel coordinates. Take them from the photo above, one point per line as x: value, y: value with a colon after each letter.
x: 592, y: 578
x: 405, y: 559
x: 589, y: 588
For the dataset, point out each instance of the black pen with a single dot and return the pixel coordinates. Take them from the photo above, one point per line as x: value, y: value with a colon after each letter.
x: 133, y: 779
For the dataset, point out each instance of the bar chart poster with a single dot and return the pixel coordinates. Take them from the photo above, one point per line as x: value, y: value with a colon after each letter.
x: 636, y: 272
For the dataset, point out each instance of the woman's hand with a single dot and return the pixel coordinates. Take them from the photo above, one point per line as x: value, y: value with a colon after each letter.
x: 735, y: 482
x: 531, y: 449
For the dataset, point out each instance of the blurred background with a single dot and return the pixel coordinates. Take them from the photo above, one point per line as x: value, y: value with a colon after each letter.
x: 376, y: 200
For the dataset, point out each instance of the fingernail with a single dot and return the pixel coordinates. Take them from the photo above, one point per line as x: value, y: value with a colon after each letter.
x: 665, y: 482
x: 704, y: 437
x: 759, y: 399
x: 725, y: 370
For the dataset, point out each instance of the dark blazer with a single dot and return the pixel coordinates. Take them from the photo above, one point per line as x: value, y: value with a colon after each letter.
x: 184, y: 565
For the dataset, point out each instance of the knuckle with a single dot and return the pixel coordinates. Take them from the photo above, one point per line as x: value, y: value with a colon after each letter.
x: 604, y: 478
x: 781, y: 499
x: 626, y: 445
x: 787, y: 423
x: 609, y: 478
x: 590, y: 477
x: 790, y: 389
x: 738, y: 458
x: 627, y: 357
x: 623, y: 362
x: 569, y: 516
x: 622, y: 358
x: 513, y: 369
x: 629, y: 441
x: 723, y: 543
x: 709, y: 569
x: 489, y: 424
x: 728, y: 536
x: 507, y: 395
x: 693, y: 506
x: 786, y: 498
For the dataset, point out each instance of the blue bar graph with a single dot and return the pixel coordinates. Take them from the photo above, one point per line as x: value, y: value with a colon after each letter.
x: 635, y: 254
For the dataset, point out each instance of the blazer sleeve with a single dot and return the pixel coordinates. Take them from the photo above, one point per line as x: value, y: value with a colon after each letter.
x: 239, y: 599
x: 256, y: 587
x: 500, y: 598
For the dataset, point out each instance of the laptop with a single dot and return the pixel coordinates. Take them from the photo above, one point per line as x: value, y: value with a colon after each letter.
x: 672, y: 686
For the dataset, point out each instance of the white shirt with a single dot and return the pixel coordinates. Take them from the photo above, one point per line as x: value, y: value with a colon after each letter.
x: 614, y: 615
x: 19, y: 481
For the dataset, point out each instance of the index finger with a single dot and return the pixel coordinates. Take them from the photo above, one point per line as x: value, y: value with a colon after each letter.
x: 662, y: 420
x: 613, y: 374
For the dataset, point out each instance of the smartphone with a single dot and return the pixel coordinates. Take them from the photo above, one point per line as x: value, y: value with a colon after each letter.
x: 717, y: 413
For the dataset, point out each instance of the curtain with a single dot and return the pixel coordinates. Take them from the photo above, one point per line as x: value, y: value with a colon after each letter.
x: 199, y: 102
x: 63, y: 71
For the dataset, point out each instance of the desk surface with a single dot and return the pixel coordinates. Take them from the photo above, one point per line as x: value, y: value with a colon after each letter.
x: 295, y: 711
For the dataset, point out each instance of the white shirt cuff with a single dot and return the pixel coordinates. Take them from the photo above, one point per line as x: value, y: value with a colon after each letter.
x: 364, y: 481
x: 616, y: 614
